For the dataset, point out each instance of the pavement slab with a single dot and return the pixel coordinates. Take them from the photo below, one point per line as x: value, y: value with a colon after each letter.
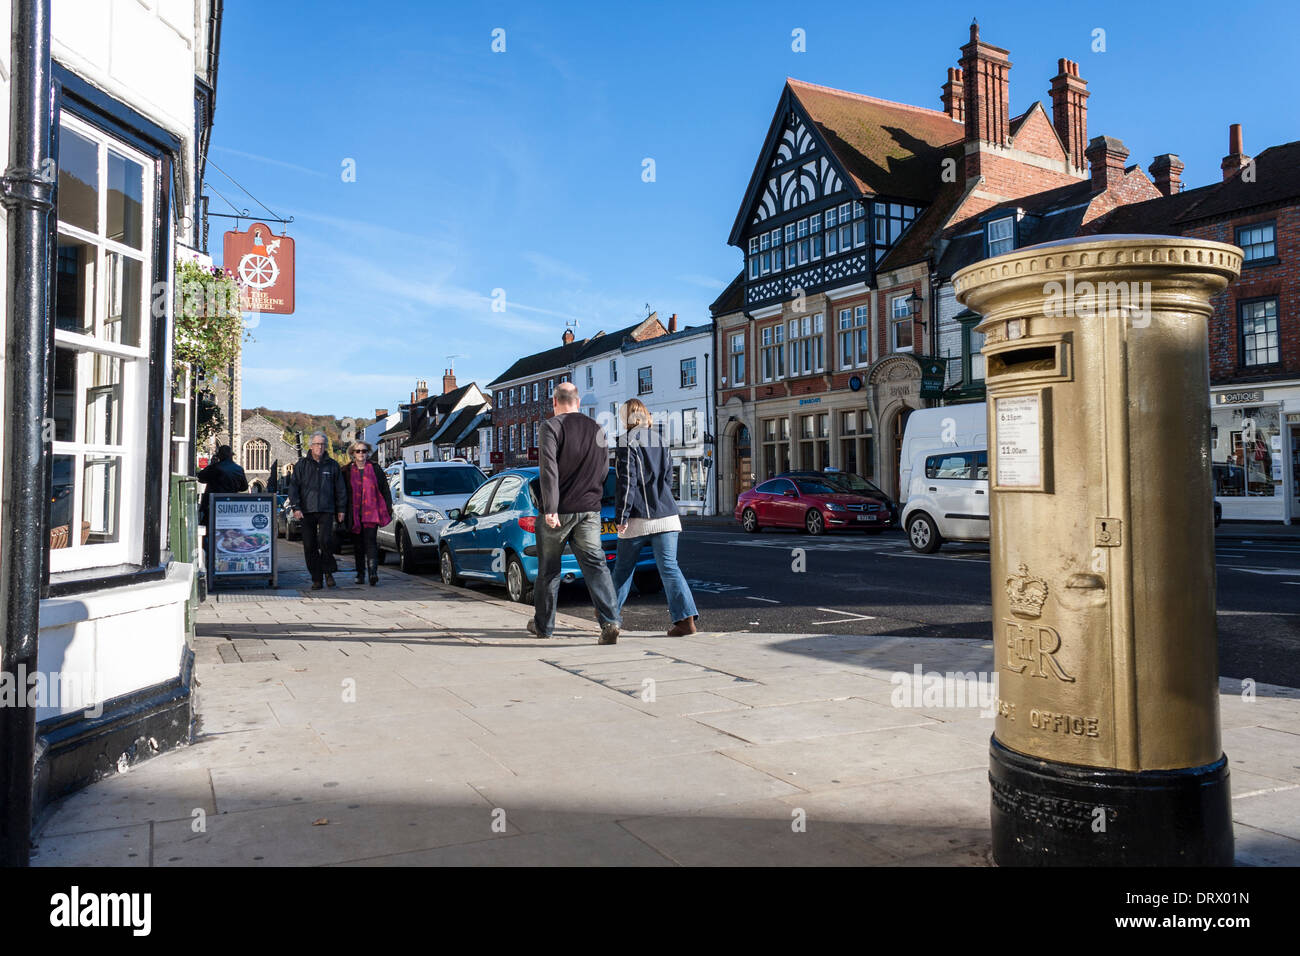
x: 418, y: 725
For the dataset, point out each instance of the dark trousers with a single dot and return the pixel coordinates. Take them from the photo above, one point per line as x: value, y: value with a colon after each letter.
x: 366, y: 548
x: 318, y: 543
x: 582, y: 533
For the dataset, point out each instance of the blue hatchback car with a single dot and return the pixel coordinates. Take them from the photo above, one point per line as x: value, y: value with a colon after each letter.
x: 493, y: 537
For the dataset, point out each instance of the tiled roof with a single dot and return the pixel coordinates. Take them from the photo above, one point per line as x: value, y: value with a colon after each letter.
x: 889, y: 149
x: 559, y: 357
x: 604, y: 343
x: 1276, y: 180
x: 732, y: 298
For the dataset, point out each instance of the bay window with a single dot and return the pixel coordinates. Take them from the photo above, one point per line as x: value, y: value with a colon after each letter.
x: 102, y: 342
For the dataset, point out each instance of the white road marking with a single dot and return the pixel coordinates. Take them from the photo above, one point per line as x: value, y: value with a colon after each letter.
x: 1284, y: 571
x: 844, y: 620
x: 750, y: 597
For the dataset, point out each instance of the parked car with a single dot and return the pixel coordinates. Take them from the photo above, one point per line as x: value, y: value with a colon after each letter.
x: 854, y: 485
x: 422, y: 493
x: 948, y: 499
x: 814, y: 504
x: 286, y: 525
x: 493, y: 537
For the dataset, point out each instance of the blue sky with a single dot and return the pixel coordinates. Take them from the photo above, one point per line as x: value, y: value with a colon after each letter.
x: 522, y: 171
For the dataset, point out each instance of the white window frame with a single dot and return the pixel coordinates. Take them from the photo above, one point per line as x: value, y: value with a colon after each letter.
x: 807, y: 340
x: 641, y: 386
x: 591, y: 376
x: 736, y: 355
x: 133, y: 449
x: 897, y: 318
x: 772, y: 352
x: 694, y: 372
x: 613, y: 371
x: 999, y: 244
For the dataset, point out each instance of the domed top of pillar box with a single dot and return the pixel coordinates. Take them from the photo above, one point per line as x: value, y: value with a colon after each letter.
x: 1183, y: 275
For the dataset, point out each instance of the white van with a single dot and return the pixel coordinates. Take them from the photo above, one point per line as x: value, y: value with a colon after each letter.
x: 952, y: 426
x: 949, y: 498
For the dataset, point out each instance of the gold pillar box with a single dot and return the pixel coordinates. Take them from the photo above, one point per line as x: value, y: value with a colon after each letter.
x: 1101, y: 520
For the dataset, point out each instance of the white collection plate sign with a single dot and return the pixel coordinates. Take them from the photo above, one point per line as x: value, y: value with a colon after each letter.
x: 1018, y: 421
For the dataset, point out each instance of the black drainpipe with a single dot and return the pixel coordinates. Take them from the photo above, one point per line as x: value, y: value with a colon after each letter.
x: 28, y: 191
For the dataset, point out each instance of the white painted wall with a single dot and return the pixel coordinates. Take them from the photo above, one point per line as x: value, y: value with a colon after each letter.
x: 668, y: 399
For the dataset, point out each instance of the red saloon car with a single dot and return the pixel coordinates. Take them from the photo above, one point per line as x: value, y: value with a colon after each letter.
x: 813, y: 504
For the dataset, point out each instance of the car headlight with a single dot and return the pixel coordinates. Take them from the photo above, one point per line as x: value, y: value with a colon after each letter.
x: 428, y: 517
x: 832, y: 506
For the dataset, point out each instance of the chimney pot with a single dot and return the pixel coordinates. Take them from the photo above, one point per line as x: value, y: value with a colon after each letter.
x: 1070, y: 110
x: 1167, y: 173
x: 672, y: 322
x: 986, y: 99
x: 1106, y: 155
x: 1236, y: 158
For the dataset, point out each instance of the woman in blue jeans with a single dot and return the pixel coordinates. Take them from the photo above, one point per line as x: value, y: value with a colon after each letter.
x: 645, y: 509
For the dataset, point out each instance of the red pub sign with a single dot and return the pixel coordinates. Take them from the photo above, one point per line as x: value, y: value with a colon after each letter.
x: 262, y: 263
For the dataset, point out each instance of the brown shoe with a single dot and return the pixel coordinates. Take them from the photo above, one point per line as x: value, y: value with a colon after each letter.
x: 682, y: 628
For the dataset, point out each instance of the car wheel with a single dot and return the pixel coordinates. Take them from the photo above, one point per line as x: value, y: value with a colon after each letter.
x: 517, y: 586
x: 814, y: 522
x: 648, y: 582
x: 448, y: 567
x: 404, y: 556
x: 749, y: 520
x: 923, y: 535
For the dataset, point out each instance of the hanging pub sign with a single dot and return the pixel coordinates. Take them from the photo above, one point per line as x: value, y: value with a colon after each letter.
x: 933, y: 373
x: 241, y: 539
x: 263, y: 265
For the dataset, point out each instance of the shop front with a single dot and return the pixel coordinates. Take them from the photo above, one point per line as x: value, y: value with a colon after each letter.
x: 1255, y: 451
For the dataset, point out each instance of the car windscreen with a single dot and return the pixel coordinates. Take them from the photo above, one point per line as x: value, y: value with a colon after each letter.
x: 854, y: 483
x: 807, y: 487
x: 426, y: 482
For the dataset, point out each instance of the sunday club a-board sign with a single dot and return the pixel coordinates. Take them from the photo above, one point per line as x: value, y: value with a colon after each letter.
x: 241, y: 537
x: 263, y: 264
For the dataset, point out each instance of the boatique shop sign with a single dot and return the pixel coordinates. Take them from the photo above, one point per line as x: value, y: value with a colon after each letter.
x: 263, y: 264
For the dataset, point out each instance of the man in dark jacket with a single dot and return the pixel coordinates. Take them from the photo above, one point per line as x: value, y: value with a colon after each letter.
x: 573, y: 461
x: 318, y: 496
x: 222, y: 476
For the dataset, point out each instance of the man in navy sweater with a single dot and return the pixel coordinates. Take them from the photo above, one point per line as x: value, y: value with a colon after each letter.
x: 573, y: 459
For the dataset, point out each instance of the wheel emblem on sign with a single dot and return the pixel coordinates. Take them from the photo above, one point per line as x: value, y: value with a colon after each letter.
x: 258, y: 270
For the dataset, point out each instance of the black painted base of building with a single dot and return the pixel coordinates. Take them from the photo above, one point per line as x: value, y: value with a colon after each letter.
x: 1046, y: 813
x: 73, y: 750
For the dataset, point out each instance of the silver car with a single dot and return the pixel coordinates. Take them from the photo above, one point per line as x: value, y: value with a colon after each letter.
x: 422, y: 493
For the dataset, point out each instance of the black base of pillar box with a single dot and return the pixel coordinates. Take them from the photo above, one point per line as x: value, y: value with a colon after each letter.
x: 1055, y: 814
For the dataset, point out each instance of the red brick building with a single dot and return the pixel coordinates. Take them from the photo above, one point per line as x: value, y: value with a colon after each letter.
x: 521, y: 394
x: 857, y: 212
x: 1254, y: 335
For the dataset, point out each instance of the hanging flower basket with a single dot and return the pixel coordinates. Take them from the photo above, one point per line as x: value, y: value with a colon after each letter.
x: 209, y: 325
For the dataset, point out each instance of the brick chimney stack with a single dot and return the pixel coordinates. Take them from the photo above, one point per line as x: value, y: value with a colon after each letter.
x: 421, y: 391
x: 448, y: 381
x: 1070, y: 110
x: 381, y: 413
x: 1106, y: 155
x: 954, y: 95
x: 1236, y: 158
x: 672, y: 323
x: 567, y: 337
x: 986, y: 90
x: 1167, y: 173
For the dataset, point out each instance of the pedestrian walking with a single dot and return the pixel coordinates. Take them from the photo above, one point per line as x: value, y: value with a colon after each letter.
x: 317, y: 496
x: 573, y: 459
x: 370, y: 507
x: 222, y: 476
x: 645, y: 511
